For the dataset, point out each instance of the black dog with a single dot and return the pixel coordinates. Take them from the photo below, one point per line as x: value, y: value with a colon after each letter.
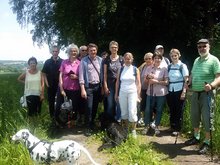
x: 116, y: 134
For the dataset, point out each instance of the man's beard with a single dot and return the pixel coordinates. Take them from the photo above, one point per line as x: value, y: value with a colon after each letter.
x: 203, y: 54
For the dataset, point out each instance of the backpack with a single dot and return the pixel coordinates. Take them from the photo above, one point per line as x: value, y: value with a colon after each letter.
x: 180, y: 70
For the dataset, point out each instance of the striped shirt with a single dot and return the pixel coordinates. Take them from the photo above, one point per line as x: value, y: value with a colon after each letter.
x: 204, y: 70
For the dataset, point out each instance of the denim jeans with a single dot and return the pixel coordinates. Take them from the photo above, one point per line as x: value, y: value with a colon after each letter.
x: 113, y: 108
x: 150, y: 104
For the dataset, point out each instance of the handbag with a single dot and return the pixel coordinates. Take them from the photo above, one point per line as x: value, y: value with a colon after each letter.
x: 67, y: 105
x: 23, y: 101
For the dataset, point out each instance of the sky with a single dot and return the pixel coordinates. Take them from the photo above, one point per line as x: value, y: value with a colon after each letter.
x: 16, y: 43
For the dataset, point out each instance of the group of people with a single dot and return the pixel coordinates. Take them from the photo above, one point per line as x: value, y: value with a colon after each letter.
x: 84, y: 77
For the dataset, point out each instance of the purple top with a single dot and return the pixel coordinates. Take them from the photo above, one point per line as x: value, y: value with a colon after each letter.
x: 159, y: 73
x: 67, y: 68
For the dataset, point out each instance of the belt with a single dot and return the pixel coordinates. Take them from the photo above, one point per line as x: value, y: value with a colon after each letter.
x: 199, y: 91
x: 93, y: 85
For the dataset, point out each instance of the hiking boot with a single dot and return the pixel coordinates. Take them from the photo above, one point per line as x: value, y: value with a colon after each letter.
x: 192, y: 141
x: 203, y: 149
x: 156, y: 131
x: 145, y: 130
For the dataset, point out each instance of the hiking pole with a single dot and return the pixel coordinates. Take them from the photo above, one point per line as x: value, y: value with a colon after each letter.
x: 211, y: 105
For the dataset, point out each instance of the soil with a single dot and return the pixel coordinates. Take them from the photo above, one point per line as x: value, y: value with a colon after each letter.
x: 178, y: 153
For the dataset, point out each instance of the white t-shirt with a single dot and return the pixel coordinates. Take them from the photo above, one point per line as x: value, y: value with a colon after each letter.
x: 32, y: 84
x: 128, y: 80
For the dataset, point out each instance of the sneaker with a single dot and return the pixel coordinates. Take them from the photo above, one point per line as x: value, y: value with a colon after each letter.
x: 156, y: 131
x: 152, y: 125
x: 175, y: 133
x: 140, y: 122
x: 134, y: 134
x: 192, y: 141
x: 145, y: 130
x: 203, y: 149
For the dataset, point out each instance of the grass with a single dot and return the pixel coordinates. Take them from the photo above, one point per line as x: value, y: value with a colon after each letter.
x: 13, y: 117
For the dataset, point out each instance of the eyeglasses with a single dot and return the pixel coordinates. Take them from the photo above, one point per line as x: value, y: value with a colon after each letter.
x: 204, y: 46
x: 83, y: 50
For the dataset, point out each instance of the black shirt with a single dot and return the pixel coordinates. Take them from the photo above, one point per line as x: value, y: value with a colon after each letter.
x: 51, y: 69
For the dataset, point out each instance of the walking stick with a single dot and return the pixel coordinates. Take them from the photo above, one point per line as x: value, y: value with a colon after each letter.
x: 211, y: 104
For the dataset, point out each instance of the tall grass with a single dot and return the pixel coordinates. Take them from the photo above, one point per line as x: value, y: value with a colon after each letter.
x: 13, y: 117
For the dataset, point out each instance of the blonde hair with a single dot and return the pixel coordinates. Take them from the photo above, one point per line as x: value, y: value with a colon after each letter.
x: 130, y: 55
x: 149, y: 54
x: 113, y: 43
x: 176, y: 51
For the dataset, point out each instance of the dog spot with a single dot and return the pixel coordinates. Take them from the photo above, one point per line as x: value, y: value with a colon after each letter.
x: 37, y: 157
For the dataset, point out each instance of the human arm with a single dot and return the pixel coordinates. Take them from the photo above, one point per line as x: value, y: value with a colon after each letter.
x: 138, y: 85
x: 106, y: 90
x: 45, y: 79
x: 117, y: 86
x: 214, y: 84
x: 42, y: 87
x: 61, y: 84
x: 21, y: 78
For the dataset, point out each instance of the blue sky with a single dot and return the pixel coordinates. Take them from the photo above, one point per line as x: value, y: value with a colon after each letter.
x: 16, y: 43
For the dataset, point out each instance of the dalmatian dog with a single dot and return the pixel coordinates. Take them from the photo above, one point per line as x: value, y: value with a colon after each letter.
x: 47, y: 152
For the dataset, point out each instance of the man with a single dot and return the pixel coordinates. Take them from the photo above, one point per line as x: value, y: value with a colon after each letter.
x: 206, y: 69
x: 90, y: 80
x: 83, y: 51
x: 51, y: 75
x: 165, y: 61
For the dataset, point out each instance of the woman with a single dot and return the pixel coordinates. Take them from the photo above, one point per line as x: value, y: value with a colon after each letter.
x: 148, y: 58
x: 111, y: 66
x: 127, y: 91
x: 157, y: 80
x: 33, y: 87
x: 178, y: 75
x: 68, y: 78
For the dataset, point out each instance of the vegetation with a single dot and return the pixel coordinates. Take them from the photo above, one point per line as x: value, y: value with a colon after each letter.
x: 13, y: 118
x: 137, y: 25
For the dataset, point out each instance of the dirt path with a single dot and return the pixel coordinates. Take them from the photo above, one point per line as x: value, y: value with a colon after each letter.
x: 178, y: 153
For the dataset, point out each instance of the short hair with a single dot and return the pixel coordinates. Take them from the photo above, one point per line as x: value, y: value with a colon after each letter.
x: 32, y: 59
x: 128, y: 54
x: 148, y: 54
x: 113, y: 43
x: 92, y: 45
x: 72, y: 46
x: 81, y: 47
x: 173, y: 50
x: 157, y: 54
x: 53, y: 47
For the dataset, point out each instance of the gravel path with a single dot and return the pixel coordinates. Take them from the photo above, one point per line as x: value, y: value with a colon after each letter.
x: 177, y: 153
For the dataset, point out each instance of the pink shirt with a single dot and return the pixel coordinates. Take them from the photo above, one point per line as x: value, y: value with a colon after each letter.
x: 67, y: 67
x: 159, y: 73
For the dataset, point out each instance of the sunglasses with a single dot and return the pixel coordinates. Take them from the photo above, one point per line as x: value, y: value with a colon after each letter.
x: 84, y: 50
x: 204, y: 46
x: 148, y: 59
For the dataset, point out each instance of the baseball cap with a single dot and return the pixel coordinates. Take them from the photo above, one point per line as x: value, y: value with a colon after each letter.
x: 158, y: 47
x: 203, y: 40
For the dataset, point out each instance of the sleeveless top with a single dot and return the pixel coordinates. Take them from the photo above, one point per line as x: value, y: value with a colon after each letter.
x: 32, y: 84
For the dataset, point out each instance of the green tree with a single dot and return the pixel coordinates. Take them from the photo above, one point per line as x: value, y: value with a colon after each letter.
x: 137, y: 25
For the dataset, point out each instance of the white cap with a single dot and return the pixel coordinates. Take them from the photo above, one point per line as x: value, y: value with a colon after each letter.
x: 158, y: 47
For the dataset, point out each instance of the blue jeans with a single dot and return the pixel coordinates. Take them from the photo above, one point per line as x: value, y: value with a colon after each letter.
x: 112, y: 108
x: 150, y: 104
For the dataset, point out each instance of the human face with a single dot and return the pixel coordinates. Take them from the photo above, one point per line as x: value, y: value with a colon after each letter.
x: 32, y: 65
x: 128, y: 60
x: 83, y: 51
x: 92, y: 52
x: 148, y: 60
x: 203, y: 49
x: 157, y: 61
x: 174, y: 57
x: 113, y: 49
x: 55, y: 52
x: 73, y: 53
x: 161, y: 50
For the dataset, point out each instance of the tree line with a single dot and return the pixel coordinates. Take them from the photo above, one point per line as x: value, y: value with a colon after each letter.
x: 137, y: 25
